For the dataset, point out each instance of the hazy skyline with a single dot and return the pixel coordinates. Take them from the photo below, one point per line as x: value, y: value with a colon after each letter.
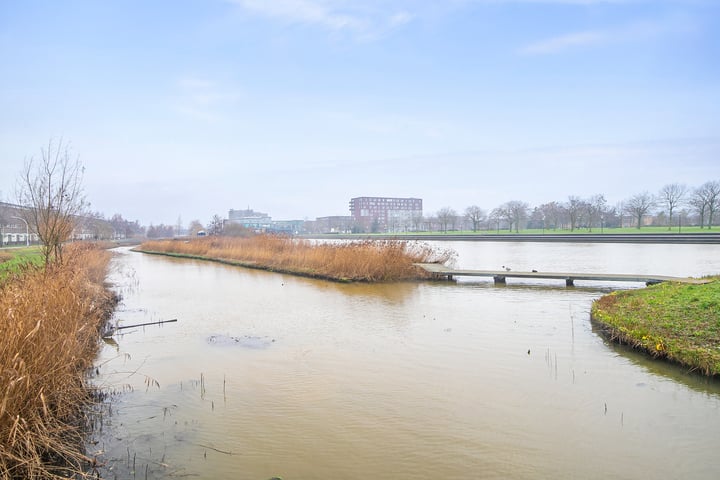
x: 190, y: 108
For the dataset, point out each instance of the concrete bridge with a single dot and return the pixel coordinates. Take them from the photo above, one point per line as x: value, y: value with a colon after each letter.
x: 499, y: 276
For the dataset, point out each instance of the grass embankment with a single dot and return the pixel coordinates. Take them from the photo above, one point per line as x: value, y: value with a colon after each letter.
x: 50, y: 320
x: 369, y: 261
x: 12, y: 260
x: 678, y: 322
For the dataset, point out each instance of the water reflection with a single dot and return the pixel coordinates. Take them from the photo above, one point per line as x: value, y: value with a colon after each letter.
x: 667, y: 370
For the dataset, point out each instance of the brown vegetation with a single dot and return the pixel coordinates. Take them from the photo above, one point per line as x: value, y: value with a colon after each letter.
x: 370, y: 260
x: 49, y: 326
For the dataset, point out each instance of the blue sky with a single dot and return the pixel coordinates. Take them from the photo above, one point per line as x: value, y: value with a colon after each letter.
x: 189, y: 108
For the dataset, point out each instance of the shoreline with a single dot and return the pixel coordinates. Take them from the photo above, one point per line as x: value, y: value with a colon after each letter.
x: 670, y: 321
x: 673, y: 238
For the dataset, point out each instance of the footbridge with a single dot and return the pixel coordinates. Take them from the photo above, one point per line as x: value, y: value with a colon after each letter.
x: 442, y: 272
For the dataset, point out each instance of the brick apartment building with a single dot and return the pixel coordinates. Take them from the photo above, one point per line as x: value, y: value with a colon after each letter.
x: 385, y: 214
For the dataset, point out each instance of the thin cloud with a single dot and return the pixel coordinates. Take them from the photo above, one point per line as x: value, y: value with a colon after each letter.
x: 203, y: 99
x: 365, y: 20
x: 637, y: 31
x: 566, y: 42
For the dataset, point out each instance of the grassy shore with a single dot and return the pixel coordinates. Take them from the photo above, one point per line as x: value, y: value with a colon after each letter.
x: 677, y: 322
x: 369, y: 261
x: 13, y: 260
x: 49, y: 329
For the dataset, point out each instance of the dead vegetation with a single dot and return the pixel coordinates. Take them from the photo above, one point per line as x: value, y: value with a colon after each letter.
x: 368, y: 260
x: 50, y: 320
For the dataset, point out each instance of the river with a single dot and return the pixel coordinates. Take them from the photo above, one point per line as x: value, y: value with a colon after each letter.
x: 269, y: 375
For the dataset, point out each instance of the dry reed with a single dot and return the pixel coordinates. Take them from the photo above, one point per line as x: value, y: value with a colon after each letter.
x: 369, y: 260
x: 50, y: 320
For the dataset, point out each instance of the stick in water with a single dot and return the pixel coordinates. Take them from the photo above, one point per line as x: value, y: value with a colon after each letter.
x: 160, y: 322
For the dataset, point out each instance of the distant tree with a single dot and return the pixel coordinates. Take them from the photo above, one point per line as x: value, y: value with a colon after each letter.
x: 216, y: 225
x: 95, y: 223
x: 502, y: 214
x: 51, y: 189
x: 160, y: 231
x: 446, y: 217
x: 672, y: 196
x: 639, y: 205
x: 517, y: 212
x: 194, y: 227
x: 125, y: 228
x: 476, y: 215
x: 706, y: 201
x: 552, y: 214
x: 575, y: 207
x: 416, y: 220
x: 595, y: 208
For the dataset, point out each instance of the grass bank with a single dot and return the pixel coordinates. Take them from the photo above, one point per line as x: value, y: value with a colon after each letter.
x: 50, y: 321
x: 368, y: 261
x: 13, y: 260
x: 677, y: 322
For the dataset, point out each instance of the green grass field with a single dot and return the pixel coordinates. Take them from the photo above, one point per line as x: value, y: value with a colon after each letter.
x: 539, y: 231
x: 13, y: 259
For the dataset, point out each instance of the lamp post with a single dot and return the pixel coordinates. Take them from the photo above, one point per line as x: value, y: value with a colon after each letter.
x: 602, y: 223
x: 27, y: 230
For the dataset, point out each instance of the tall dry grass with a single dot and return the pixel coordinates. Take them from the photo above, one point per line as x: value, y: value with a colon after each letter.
x: 50, y: 320
x: 370, y: 260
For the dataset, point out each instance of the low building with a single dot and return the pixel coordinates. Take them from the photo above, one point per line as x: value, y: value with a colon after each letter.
x: 250, y: 219
x: 333, y: 224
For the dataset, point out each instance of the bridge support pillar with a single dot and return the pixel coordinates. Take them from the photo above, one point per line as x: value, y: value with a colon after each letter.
x: 499, y: 279
x: 569, y: 282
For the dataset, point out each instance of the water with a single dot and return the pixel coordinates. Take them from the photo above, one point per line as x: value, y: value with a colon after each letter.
x: 402, y: 381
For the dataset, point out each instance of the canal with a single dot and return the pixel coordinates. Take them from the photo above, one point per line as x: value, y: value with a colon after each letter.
x: 268, y: 375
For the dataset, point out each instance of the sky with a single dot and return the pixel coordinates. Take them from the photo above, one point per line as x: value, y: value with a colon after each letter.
x: 184, y: 109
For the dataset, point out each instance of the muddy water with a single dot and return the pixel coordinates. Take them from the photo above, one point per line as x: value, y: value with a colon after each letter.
x: 270, y: 375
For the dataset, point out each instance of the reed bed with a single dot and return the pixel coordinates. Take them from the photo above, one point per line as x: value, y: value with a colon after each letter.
x: 50, y: 319
x: 368, y: 260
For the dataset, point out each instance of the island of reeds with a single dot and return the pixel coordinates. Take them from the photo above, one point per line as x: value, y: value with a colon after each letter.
x: 361, y: 261
x: 677, y: 322
x: 50, y: 321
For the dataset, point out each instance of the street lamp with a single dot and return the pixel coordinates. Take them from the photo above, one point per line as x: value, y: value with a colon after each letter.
x: 27, y: 230
x: 602, y: 223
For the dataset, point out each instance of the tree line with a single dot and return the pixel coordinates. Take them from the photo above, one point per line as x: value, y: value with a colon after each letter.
x: 675, y: 204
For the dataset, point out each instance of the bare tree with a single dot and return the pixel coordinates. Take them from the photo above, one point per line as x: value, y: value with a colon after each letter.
x: 706, y: 200
x: 476, y: 215
x: 194, y: 227
x: 552, y: 215
x: 595, y: 208
x: 639, y: 205
x: 51, y: 190
x: 446, y: 216
x: 672, y: 196
x: 519, y: 211
x: 575, y: 207
x: 216, y: 225
x: 514, y: 212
